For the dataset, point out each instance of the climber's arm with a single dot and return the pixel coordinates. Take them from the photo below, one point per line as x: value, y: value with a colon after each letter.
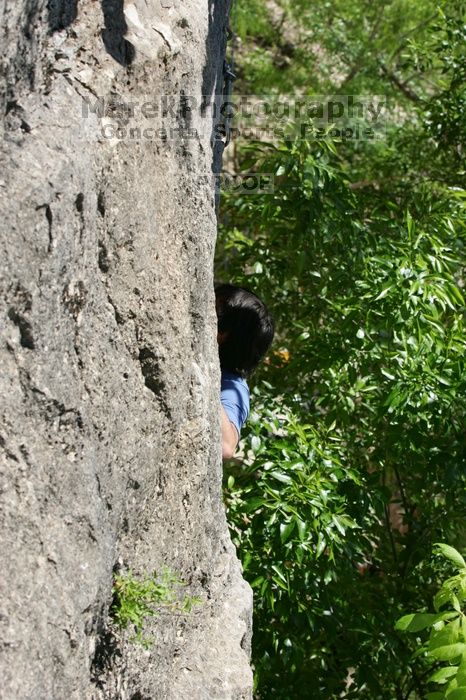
x: 230, y: 436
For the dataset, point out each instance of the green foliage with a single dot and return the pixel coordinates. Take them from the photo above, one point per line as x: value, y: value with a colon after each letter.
x: 292, y: 498
x: 447, y: 638
x: 310, y: 524
x: 445, y: 118
x: 354, y: 459
x: 327, y: 47
x: 136, y: 599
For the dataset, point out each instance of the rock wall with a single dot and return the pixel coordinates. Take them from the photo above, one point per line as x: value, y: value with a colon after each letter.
x: 109, y: 417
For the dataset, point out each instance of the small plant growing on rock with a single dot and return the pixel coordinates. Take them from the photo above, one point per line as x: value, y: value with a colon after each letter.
x: 135, y: 599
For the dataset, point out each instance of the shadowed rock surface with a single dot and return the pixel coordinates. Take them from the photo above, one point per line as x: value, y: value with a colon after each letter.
x: 109, y: 423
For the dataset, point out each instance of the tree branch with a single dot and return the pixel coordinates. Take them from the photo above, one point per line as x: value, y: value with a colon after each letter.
x: 402, y: 86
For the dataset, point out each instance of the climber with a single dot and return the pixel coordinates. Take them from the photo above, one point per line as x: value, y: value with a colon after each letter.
x: 245, y: 332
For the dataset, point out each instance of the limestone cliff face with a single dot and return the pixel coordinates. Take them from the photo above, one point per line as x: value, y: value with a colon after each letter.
x: 109, y: 419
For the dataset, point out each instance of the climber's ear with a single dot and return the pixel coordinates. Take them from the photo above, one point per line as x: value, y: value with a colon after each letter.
x: 221, y: 337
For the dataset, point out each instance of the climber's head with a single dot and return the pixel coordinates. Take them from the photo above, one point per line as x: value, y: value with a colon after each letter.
x: 245, y: 329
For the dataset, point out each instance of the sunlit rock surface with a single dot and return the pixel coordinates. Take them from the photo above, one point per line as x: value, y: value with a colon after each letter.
x: 110, y: 419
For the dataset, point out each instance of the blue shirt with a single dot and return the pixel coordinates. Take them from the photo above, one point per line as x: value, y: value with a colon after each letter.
x: 234, y: 395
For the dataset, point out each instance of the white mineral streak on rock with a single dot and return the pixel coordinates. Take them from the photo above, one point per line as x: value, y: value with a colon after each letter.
x: 148, y: 36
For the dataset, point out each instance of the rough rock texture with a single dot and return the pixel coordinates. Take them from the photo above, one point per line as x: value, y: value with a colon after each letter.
x: 109, y: 420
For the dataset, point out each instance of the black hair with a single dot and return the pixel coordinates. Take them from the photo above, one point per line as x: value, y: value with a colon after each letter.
x: 247, y: 328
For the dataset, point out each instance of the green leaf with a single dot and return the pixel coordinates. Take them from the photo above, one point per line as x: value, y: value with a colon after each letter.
x: 441, y: 598
x: 280, y: 476
x: 254, y: 504
x: 300, y: 554
x: 446, y: 636
x: 452, y: 554
x: 387, y: 374
x: 416, y: 622
x: 447, y: 653
x: 278, y: 571
x: 302, y: 529
x: 443, y: 674
x: 419, y: 621
x: 383, y: 293
x: 255, y: 443
x: 410, y: 224
x: 338, y: 525
x: 321, y: 545
x: 286, y: 529
x: 280, y: 583
x: 457, y: 694
x: 461, y: 675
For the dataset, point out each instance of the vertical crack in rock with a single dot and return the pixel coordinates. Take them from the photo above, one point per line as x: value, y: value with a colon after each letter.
x: 79, y: 204
x: 74, y: 298
x: 20, y: 314
x: 153, y: 378
x: 101, y: 204
x: 113, y: 35
x: 15, y: 117
x: 62, y: 13
x: 24, y: 326
x: 105, y: 655
x: 103, y: 261
x: 151, y: 371
x: 49, y: 217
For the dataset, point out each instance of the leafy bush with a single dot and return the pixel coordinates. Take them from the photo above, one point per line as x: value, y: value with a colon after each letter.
x: 368, y: 434
x: 447, y: 639
x: 354, y: 460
